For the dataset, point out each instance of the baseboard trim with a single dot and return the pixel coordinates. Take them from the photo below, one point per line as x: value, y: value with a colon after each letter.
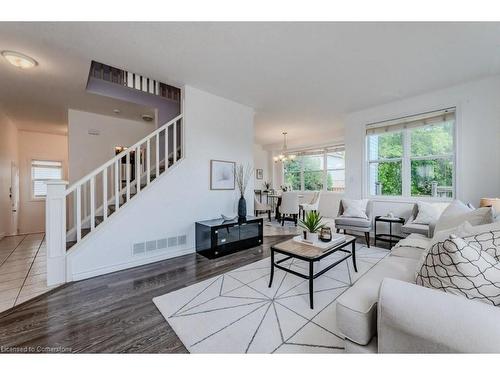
x: 126, y: 265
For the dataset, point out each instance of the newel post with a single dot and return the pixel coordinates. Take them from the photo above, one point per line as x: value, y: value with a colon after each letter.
x: 55, y: 231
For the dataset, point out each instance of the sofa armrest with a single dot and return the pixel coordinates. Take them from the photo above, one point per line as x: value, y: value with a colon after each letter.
x: 432, y: 227
x: 414, y: 319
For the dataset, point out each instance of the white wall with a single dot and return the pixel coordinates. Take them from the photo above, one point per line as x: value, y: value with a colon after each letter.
x: 41, y: 146
x: 262, y: 160
x: 215, y: 128
x: 87, y: 152
x: 478, y: 140
x: 8, y: 155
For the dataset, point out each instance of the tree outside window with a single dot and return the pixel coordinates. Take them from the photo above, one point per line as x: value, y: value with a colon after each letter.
x: 414, y: 160
x: 323, y: 170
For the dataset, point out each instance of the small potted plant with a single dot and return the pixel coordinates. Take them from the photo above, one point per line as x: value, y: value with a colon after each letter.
x: 312, y: 224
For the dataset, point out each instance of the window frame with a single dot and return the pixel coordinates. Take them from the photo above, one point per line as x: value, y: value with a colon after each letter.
x: 332, y: 170
x: 32, y: 180
x: 324, y: 154
x: 406, y: 160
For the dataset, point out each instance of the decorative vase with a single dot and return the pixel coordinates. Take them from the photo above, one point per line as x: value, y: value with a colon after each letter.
x: 242, y: 208
x: 313, y: 237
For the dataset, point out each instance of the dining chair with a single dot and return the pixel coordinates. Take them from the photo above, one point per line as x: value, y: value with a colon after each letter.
x: 311, y: 206
x: 262, y: 207
x: 289, y: 208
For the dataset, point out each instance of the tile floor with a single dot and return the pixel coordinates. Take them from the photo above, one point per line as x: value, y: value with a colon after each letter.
x: 23, y: 269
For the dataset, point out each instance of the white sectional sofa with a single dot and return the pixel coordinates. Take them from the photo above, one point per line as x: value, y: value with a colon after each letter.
x: 386, y: 312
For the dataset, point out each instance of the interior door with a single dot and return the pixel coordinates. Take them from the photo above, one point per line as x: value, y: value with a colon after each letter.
x: 14, y: 198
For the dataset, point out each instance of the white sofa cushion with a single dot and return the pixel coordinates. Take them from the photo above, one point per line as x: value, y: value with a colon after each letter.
x: 353, y: 222
x: 429, y: 212
x: 412, y: 246
x: 355, y: 208
x: 357, y: 307
x: 459, y: 268
x: 457, y: 214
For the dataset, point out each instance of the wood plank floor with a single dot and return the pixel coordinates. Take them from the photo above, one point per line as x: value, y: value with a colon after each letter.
x: 114, y: 313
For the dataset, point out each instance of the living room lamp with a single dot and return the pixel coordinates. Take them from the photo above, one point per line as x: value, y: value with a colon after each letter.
x: 284, y: 155
x: 491, y: 202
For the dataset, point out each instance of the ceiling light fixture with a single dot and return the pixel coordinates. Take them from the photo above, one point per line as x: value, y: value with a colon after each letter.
x: 116, y: 111
x: 147, y: 118
x: 19, y: 60
x: 284, y: 155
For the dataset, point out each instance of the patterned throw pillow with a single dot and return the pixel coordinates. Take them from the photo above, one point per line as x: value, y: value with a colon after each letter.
x: 486, y: 241
x: 456, y: 267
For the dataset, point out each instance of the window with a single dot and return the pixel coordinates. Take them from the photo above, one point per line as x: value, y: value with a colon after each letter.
x: 291, y: 170
x: 41, y: 172
x: 313, y: 168
x: 414, y: 157
x: 316, y: 170
x: 335, y: 162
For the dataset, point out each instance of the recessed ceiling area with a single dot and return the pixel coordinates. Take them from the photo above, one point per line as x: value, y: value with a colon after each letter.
x: 299, y: 77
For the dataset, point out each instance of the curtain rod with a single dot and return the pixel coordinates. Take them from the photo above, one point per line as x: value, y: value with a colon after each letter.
x: 410, y: 116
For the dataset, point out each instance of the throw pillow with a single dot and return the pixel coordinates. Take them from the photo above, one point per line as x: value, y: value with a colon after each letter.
x: 355, y: 208
x: 428, y: 212
x: 455, y: 217
x: 456, y: 267
x: 486, y: 237
x: 460, y: 231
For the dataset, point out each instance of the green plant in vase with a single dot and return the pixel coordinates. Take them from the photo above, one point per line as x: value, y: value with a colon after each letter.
x: 311, y: 225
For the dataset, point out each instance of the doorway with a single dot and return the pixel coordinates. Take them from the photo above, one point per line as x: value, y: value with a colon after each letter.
x: 14, y: 199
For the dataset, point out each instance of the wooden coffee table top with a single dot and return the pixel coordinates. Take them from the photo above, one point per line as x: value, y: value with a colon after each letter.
x: 309, y: 251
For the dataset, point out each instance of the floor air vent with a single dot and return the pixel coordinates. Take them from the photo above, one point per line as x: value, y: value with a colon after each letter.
x: 150, y: 245
x: 141, y: 248
x: 172, y: 241
x: 181, y: 240
x: 162, y: 244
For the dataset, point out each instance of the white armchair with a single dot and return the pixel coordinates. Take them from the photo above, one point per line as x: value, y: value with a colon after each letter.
x: 289, y: 208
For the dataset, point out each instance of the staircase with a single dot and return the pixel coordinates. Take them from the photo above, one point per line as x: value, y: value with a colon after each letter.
x: 91, y: 201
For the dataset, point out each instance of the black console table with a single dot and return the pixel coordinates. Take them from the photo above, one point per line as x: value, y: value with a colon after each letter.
x: 218, y: 237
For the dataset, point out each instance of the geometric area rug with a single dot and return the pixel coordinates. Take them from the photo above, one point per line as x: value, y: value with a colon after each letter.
x: 236, y: 312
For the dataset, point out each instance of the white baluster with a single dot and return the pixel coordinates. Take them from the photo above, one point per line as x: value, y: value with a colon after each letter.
x: 148, y: 161
x: 175, y: 142
x: 138, y: 169
x: 105, y: 193
x: 117, y: 185
x: 127, y: 172
x: 78, y: 213
x: 157, y: 154
x: 166, y: 148
x: 92, y: 202
x: 137, y: 82
x: 130, y: 80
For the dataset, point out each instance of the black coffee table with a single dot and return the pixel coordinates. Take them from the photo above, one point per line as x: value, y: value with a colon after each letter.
x: 310, y: 254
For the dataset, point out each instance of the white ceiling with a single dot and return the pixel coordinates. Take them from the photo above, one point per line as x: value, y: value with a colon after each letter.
x: 299, y: 77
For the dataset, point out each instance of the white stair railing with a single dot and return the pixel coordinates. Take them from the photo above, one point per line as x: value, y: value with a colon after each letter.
x: 89, y: 202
